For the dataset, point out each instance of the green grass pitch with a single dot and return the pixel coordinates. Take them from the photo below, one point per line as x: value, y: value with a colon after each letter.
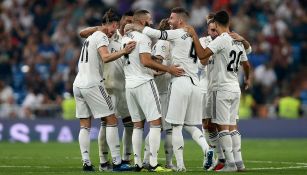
x: 261, y: 157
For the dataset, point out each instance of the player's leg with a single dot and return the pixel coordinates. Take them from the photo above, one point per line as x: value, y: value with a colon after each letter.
x: 127, y: 139
x: 101, y: 105
x: 221, y: 116
x: 193, y: 118
x: 235, y: 134
x: 123, y: 111
x: 151, y: 106
x: 179, y: 91
x: 167, y: 127
x: 138, y: 119
x: 84, y: 114
x: 137, y: 141
x: 103, y: 147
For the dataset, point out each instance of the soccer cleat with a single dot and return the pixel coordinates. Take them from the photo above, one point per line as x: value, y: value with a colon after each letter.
x: 171, y: 166
x: 209, y: 160
x: 87, y: 168
x: 122, y: 167
x: 218, y: 165
x: 240, y: 166
x: 228, y: 168
x: 105, y: 166
x: 181, y: 169
x: 159, y: 169
x: 137, y: 168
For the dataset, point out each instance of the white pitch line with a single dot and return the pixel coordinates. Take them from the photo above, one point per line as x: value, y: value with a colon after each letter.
x: 278, y: 168
x: 22, y: 166
x: 272, y: 162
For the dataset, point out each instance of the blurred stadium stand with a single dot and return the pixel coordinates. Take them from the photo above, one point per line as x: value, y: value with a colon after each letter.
x: 40, y: 46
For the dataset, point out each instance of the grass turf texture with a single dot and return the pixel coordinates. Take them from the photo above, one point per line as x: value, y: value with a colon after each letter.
x: 261, y: 157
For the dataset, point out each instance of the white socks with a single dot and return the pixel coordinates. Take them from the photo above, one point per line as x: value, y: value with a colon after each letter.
x: 127, y: 141
x: 137, y: 140
x: 214, y: 141
x: 168, y: 148
x: 198, y: 137
x: 146, y: 150
x: 226, y: 144
x: 84, y: 142
x: 102, y: 144
x: 154, y: 144
x: 178, y: 145
x: 236, y: 145
x: 113, y: 142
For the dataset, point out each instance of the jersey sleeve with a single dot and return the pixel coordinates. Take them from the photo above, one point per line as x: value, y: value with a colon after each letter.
x: 161, y: 49
x: 101, y: 40
x: 216, y: 45
x: 161, y: 34
x: 145, y: 45
x: 249, y: 50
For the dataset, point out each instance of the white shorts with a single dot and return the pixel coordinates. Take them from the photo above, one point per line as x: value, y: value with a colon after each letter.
x: 164, y: 105
x: 144, y: 102
x: 184, y: 102
x: 94, y: 101
x: 204, y: 106
x: 224, y: 107
x: 119, y: 102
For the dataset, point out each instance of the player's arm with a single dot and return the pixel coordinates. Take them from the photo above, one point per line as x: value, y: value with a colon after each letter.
x: 153, y: 33
x: 246, y: 44
x: 202, y: 54
x: 106, y: 56
x: 247, y: 70
x: 147, y: 61
x: 84, y: 33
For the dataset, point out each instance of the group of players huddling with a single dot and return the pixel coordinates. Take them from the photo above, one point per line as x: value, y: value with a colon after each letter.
x: 168, y: 77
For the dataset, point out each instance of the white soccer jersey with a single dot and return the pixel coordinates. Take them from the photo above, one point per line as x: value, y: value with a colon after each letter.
x: 114, y: 71
x: 204, y: 41
x: 135, y: 72
x: 182, y: 53
x: 90, y: 63
x: 162, y: 48
x: 228, y: 54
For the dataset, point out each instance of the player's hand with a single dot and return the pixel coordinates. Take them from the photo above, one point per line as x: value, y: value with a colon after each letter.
x: 190, y: 30
x: 236, y: 36
x: 129, y: 47
x: 176, y: 70
x: 247, y: 84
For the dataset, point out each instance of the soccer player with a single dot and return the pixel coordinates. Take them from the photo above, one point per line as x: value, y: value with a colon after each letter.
x: 161, y: 52
x: 92, y: 100
x: 227, y: 54
x: 204, y: 41
x: 184, y: 108
x: 115, y: 85
x: 141, y: 92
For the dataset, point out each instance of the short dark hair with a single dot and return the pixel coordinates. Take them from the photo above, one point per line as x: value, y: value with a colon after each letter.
x: 222, y: 18
x: 110, y: 16
x: 209, y: 18
x: 181, y: 11
x: 128, y: 13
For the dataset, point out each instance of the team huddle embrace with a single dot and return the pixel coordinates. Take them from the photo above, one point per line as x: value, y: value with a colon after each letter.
x: 167, y: 77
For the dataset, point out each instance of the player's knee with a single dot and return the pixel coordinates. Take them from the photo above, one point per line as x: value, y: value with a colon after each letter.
x: 138, y: 125
x: 111, y: 120
x: 85, y: 122
x: 156, y: 122
x: 128, y: 124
